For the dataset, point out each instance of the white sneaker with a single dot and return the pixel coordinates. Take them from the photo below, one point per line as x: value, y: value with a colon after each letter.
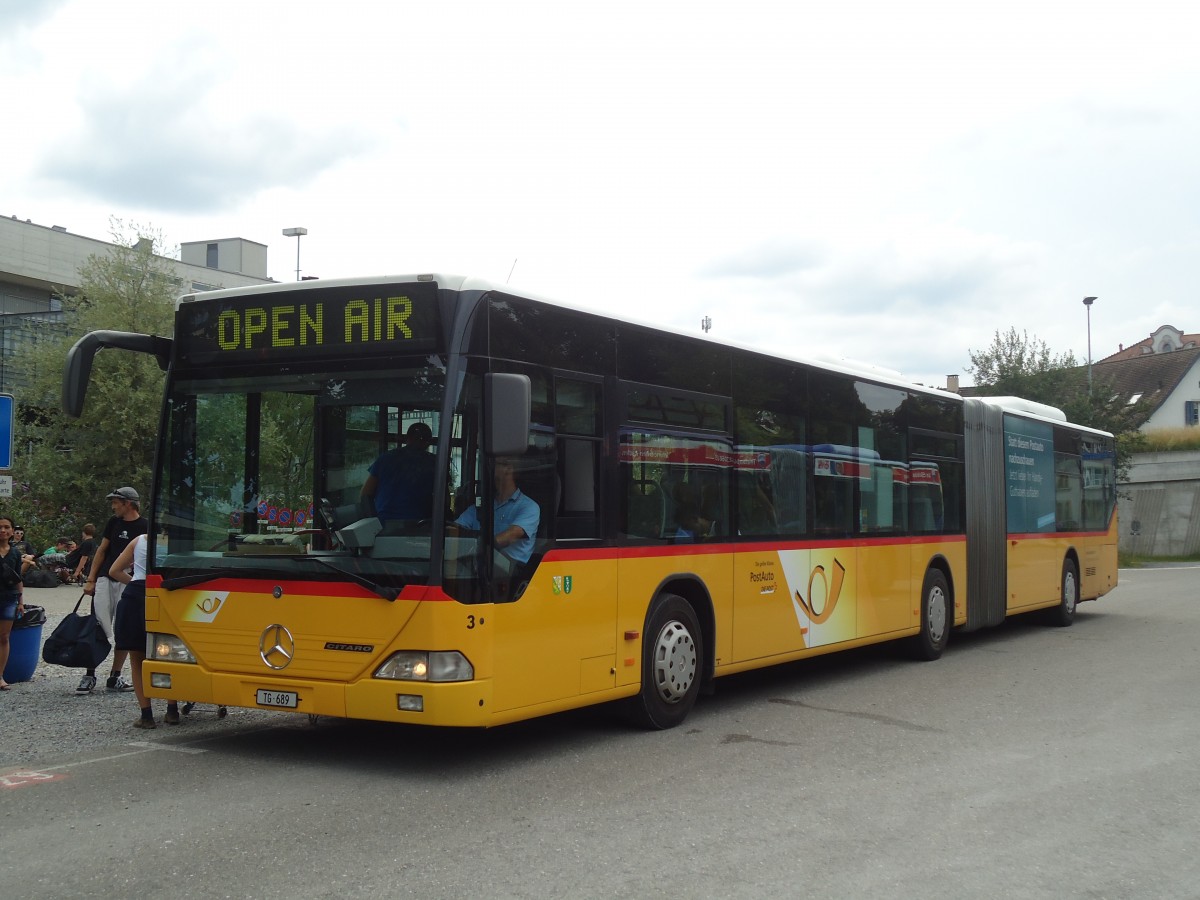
x: 86, y: 683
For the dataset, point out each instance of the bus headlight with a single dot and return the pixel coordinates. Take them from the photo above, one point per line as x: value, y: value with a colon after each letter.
x: 168, y: 648
x: 419, y: 665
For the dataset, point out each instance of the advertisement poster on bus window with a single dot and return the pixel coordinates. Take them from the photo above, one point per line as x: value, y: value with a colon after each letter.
x: 1029, y: 475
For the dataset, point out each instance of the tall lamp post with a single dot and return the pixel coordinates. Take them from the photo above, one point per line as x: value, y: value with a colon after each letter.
x: 1087, y: 303
x: 296, y: 232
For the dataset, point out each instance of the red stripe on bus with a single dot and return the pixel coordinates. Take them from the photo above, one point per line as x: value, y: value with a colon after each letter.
x: 414, y: 592
x: 1048, y: 535
x: 595, y: 553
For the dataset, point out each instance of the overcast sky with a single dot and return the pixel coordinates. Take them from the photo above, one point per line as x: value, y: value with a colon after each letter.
x: 891, y: 182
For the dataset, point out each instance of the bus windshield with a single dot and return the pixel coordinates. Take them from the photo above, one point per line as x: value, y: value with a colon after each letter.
x: 263, y: 473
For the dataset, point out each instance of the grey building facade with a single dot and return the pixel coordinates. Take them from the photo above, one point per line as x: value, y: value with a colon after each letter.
x: 38, y: 263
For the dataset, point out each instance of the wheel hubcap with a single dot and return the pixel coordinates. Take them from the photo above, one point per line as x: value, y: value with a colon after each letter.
x: 936, y: 613
x: 1070, y: 594
x: 674, y: 662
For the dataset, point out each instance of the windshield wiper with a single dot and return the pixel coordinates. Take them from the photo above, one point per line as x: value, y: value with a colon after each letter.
x: 174, y: 584
x: 387, y: 593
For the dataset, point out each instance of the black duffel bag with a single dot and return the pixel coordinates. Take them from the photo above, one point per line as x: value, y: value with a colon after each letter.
x: 77, y: 642
x: 41, y: 578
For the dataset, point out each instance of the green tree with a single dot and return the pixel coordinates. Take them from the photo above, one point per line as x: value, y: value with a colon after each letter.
x: 68, y: 465
x: 1018, y: 365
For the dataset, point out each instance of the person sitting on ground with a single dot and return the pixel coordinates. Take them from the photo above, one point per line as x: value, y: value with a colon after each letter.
x: 23, y: 546
x: 54, y: 560
x: 77, y: 559
x: 59, y: 546
x: 56, y: 555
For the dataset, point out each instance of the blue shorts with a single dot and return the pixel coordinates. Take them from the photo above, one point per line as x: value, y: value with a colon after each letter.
x: 129, y: 626
x: 8, y: 608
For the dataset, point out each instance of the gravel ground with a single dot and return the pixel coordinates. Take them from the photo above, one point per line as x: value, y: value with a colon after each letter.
x: 43, y: 718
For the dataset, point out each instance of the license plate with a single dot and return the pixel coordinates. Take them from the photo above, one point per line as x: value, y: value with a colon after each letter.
x: 288, y: 699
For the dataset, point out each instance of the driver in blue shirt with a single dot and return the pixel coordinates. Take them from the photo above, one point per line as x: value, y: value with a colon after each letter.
x: 515, y: 516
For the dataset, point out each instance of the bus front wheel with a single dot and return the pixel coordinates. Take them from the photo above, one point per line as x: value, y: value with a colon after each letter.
x: 1064, y: 614
x: 672, y: 651
x: 936, y: 617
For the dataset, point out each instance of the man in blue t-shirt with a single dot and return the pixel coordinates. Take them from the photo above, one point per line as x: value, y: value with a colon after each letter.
x: 400, y: 481
x: 515, y: 516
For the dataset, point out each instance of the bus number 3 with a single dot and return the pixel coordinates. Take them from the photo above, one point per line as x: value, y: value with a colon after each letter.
x: 471, y: 622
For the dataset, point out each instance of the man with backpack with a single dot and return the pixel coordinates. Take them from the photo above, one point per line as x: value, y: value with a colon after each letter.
x: 126, y: 524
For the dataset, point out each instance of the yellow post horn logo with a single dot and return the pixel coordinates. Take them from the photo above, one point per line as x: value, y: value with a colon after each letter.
x: 832, y: 592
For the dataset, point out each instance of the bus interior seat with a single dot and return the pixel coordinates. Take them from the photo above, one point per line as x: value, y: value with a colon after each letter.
x: 922, y: 516
x: 645, y: 511
x: 714, y: 507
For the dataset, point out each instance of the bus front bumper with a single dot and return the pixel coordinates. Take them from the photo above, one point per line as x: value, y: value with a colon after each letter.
x: 464, y: 703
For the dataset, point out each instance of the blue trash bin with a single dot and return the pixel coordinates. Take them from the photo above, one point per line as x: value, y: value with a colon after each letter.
x: 25, y: 646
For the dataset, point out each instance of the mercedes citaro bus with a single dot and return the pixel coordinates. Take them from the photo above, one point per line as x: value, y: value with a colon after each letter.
x: 703, y: 509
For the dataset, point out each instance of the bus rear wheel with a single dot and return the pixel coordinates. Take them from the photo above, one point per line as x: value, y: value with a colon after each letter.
x: 1064, y: 614
x: 935, y: 617
x: 672, y: 654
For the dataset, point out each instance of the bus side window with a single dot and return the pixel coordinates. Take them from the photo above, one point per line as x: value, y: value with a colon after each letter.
x: 578, y: 422
x: 644, y: 515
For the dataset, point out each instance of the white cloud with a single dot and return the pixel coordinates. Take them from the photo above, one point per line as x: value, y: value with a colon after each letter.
x: 893, y: 182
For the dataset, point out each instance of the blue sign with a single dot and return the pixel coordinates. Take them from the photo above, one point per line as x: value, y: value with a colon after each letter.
x: 7, y: 412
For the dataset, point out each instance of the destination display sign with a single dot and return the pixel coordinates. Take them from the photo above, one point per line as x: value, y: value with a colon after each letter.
x: 363, y: 320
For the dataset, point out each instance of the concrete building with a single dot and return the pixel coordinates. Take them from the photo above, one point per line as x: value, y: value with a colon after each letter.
x: 38, y: 263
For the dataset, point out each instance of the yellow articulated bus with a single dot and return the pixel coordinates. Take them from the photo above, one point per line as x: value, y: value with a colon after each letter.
x: 431, y: 500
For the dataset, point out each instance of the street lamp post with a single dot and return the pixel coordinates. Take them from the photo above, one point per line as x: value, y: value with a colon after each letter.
x: 1088, y: 301
x: 296, y: 232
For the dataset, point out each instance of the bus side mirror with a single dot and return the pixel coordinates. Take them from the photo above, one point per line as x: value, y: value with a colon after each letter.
x: 79, y: 361
x: 506, y: 406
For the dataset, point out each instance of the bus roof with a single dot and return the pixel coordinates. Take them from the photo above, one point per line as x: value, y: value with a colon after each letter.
x: 1031, y: 409
x: 889, y: 377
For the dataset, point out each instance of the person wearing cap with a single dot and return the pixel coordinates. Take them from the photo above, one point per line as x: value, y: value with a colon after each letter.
x: 126, y: 524
x: 400, y: 482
